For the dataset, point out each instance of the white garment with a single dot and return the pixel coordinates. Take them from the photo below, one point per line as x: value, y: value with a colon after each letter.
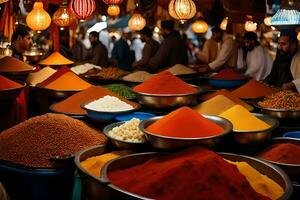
x: 137, y: 46
x: 295, y: 70
x: 259, y: 63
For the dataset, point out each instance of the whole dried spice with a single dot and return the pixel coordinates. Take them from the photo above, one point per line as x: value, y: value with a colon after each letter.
x: 33, y: 142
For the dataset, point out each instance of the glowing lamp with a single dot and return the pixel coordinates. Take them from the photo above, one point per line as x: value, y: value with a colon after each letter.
x: 38, y: 19
x: 182, y: 9
x: 113, y: 10
x: 82, y: 9
x: 223, y: 25
x: 200, y: 26
x: 137, y: 22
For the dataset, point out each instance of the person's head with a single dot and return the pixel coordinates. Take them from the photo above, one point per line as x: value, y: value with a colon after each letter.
x: 250, y: 40
x: 217, y: 34
x: 287, y: 44
x: 94, y: 37
x: 146, y: 34
x: 21, y: 39
x: 167, y: 26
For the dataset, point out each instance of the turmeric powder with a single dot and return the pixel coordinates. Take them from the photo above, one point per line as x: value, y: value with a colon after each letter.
x: 68, y: 81
x: 259, y: 182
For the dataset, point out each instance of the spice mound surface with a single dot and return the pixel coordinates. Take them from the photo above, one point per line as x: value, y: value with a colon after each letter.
x: 180, y: 69
x: 285, y: 99
x: 138, y: 76
x: 283, y: 153
x: 94, y: 164
x: 228, y: 74
x: 34, y: 141
x: 39, y: 76
x: 56, y: 59
x: 243, y: 120
x: 195, y: 173
x: 82, y: 69
x: 129, y: 132
x: 72, y: 104
x: 214, y: 106
x: 6, y: 83
x: 227, y: 94
x: 259, y: 182
x: 110, y: 73
x: 11, y: 64
x: 164, y: 83
x: 184, y: 123
x: 253, y: 89
x: 122, y: 90
x: 109, y: 104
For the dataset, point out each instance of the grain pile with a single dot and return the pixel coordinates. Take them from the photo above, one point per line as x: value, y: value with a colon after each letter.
x: 138, y: 76
x: 33, y: 142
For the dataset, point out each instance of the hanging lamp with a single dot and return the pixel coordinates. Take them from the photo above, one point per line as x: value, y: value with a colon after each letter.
x: 113, y: 10
x: 250, y: 26
x: 223, y: 25
x: 267, y: 20
x: 200, y: 26
x: 62, y: 16
x: 82, y: 9
x: 38, y: 19
x: 137, y: 22
x: 182, y: 9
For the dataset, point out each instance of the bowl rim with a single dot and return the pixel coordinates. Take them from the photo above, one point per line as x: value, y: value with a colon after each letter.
x: 274, y: 142
x: 142, y: 124
x: 199, y: 90
x: 104, y: 175
x: 83, y: 106
x: 109, y: 127
x: 275, y: 125
x: 135, y: 113
x: 209, y: 77
x: 23, y: 85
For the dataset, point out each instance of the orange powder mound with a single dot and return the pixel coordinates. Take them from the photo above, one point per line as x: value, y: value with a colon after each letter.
x: 56, y: 59
x: 253, y: 89
x: 229, y: 95
x: 164, y: 83
x: 11, y: 64
x: 6, y: 83
x: 184, y: 123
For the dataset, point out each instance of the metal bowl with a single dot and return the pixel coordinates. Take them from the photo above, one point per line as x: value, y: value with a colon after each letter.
x: 167, y: 101
x: 293, y: 170
x: 254, y: 138
x: 164, y: 142
x: 119, y: 143
x: 101, y: 117
x: 57, y: 94
x: 127, y: 161
x: 281, y: 114
x: 227, y: 84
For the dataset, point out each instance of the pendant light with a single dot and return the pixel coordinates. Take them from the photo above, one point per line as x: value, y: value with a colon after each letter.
x: 200, y: 26
x: 137, y: 22
x: 182, y: 9
x: 82, y: 9
x: 62, y: 16
x: 223, y: 25
x: 38, y: 19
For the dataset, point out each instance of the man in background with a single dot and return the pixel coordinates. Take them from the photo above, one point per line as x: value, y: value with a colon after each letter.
x: 149, y: 50
x: 121, y: 53
x: 98, y: 54
x: 21, y: 42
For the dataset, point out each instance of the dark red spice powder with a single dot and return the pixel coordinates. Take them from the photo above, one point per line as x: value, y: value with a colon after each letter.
x: 228, y: 74
x: 34, y: 141
x: 6, y: 83
x: 283, y: 153
x: 195, y: 173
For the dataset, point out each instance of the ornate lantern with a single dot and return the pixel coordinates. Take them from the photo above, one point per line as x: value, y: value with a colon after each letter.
x: 182, y: 9
x: 82, y: 8
x: 223, y: 25
x: 38, y: 19
x: 249, y: 24
x: 113, y: 2
x: 113, y: 10
x: 62, y: 16
x: 200, y: 26
x: 137, y: 22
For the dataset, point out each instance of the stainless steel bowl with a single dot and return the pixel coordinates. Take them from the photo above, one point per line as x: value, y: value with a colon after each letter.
x: 293, y: 170
x: 164, y: 142
x: 127, y: 161
x: 57, y: 94
x: 254, y: 138
x: 167, y: 101
x: 119, y: 143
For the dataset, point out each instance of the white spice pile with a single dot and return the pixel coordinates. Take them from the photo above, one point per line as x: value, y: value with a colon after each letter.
x: 35, y: 78
x: 81, y: 69
x: 138, y: 76
x: 128, y: 132
x: 179, y: 69
x: 109, y: 104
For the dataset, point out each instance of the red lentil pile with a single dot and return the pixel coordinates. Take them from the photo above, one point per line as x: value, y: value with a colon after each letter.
x: 283, y: 153
x: 34, y: 141
x: 195, y: 173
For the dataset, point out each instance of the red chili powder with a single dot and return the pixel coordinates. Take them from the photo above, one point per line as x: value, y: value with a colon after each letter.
x: 283, y: 153
x: 228, y: 74
x: 195, y: 173
x: 164, y: 83
x: 6, y: 83
x: 185, y: 123
x: 61, y: 71
x: 253, y: 89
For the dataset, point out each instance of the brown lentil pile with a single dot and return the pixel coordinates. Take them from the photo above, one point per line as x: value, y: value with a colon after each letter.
x: 34, y: 141
x: 112, y: 73
x: 285, y: 99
